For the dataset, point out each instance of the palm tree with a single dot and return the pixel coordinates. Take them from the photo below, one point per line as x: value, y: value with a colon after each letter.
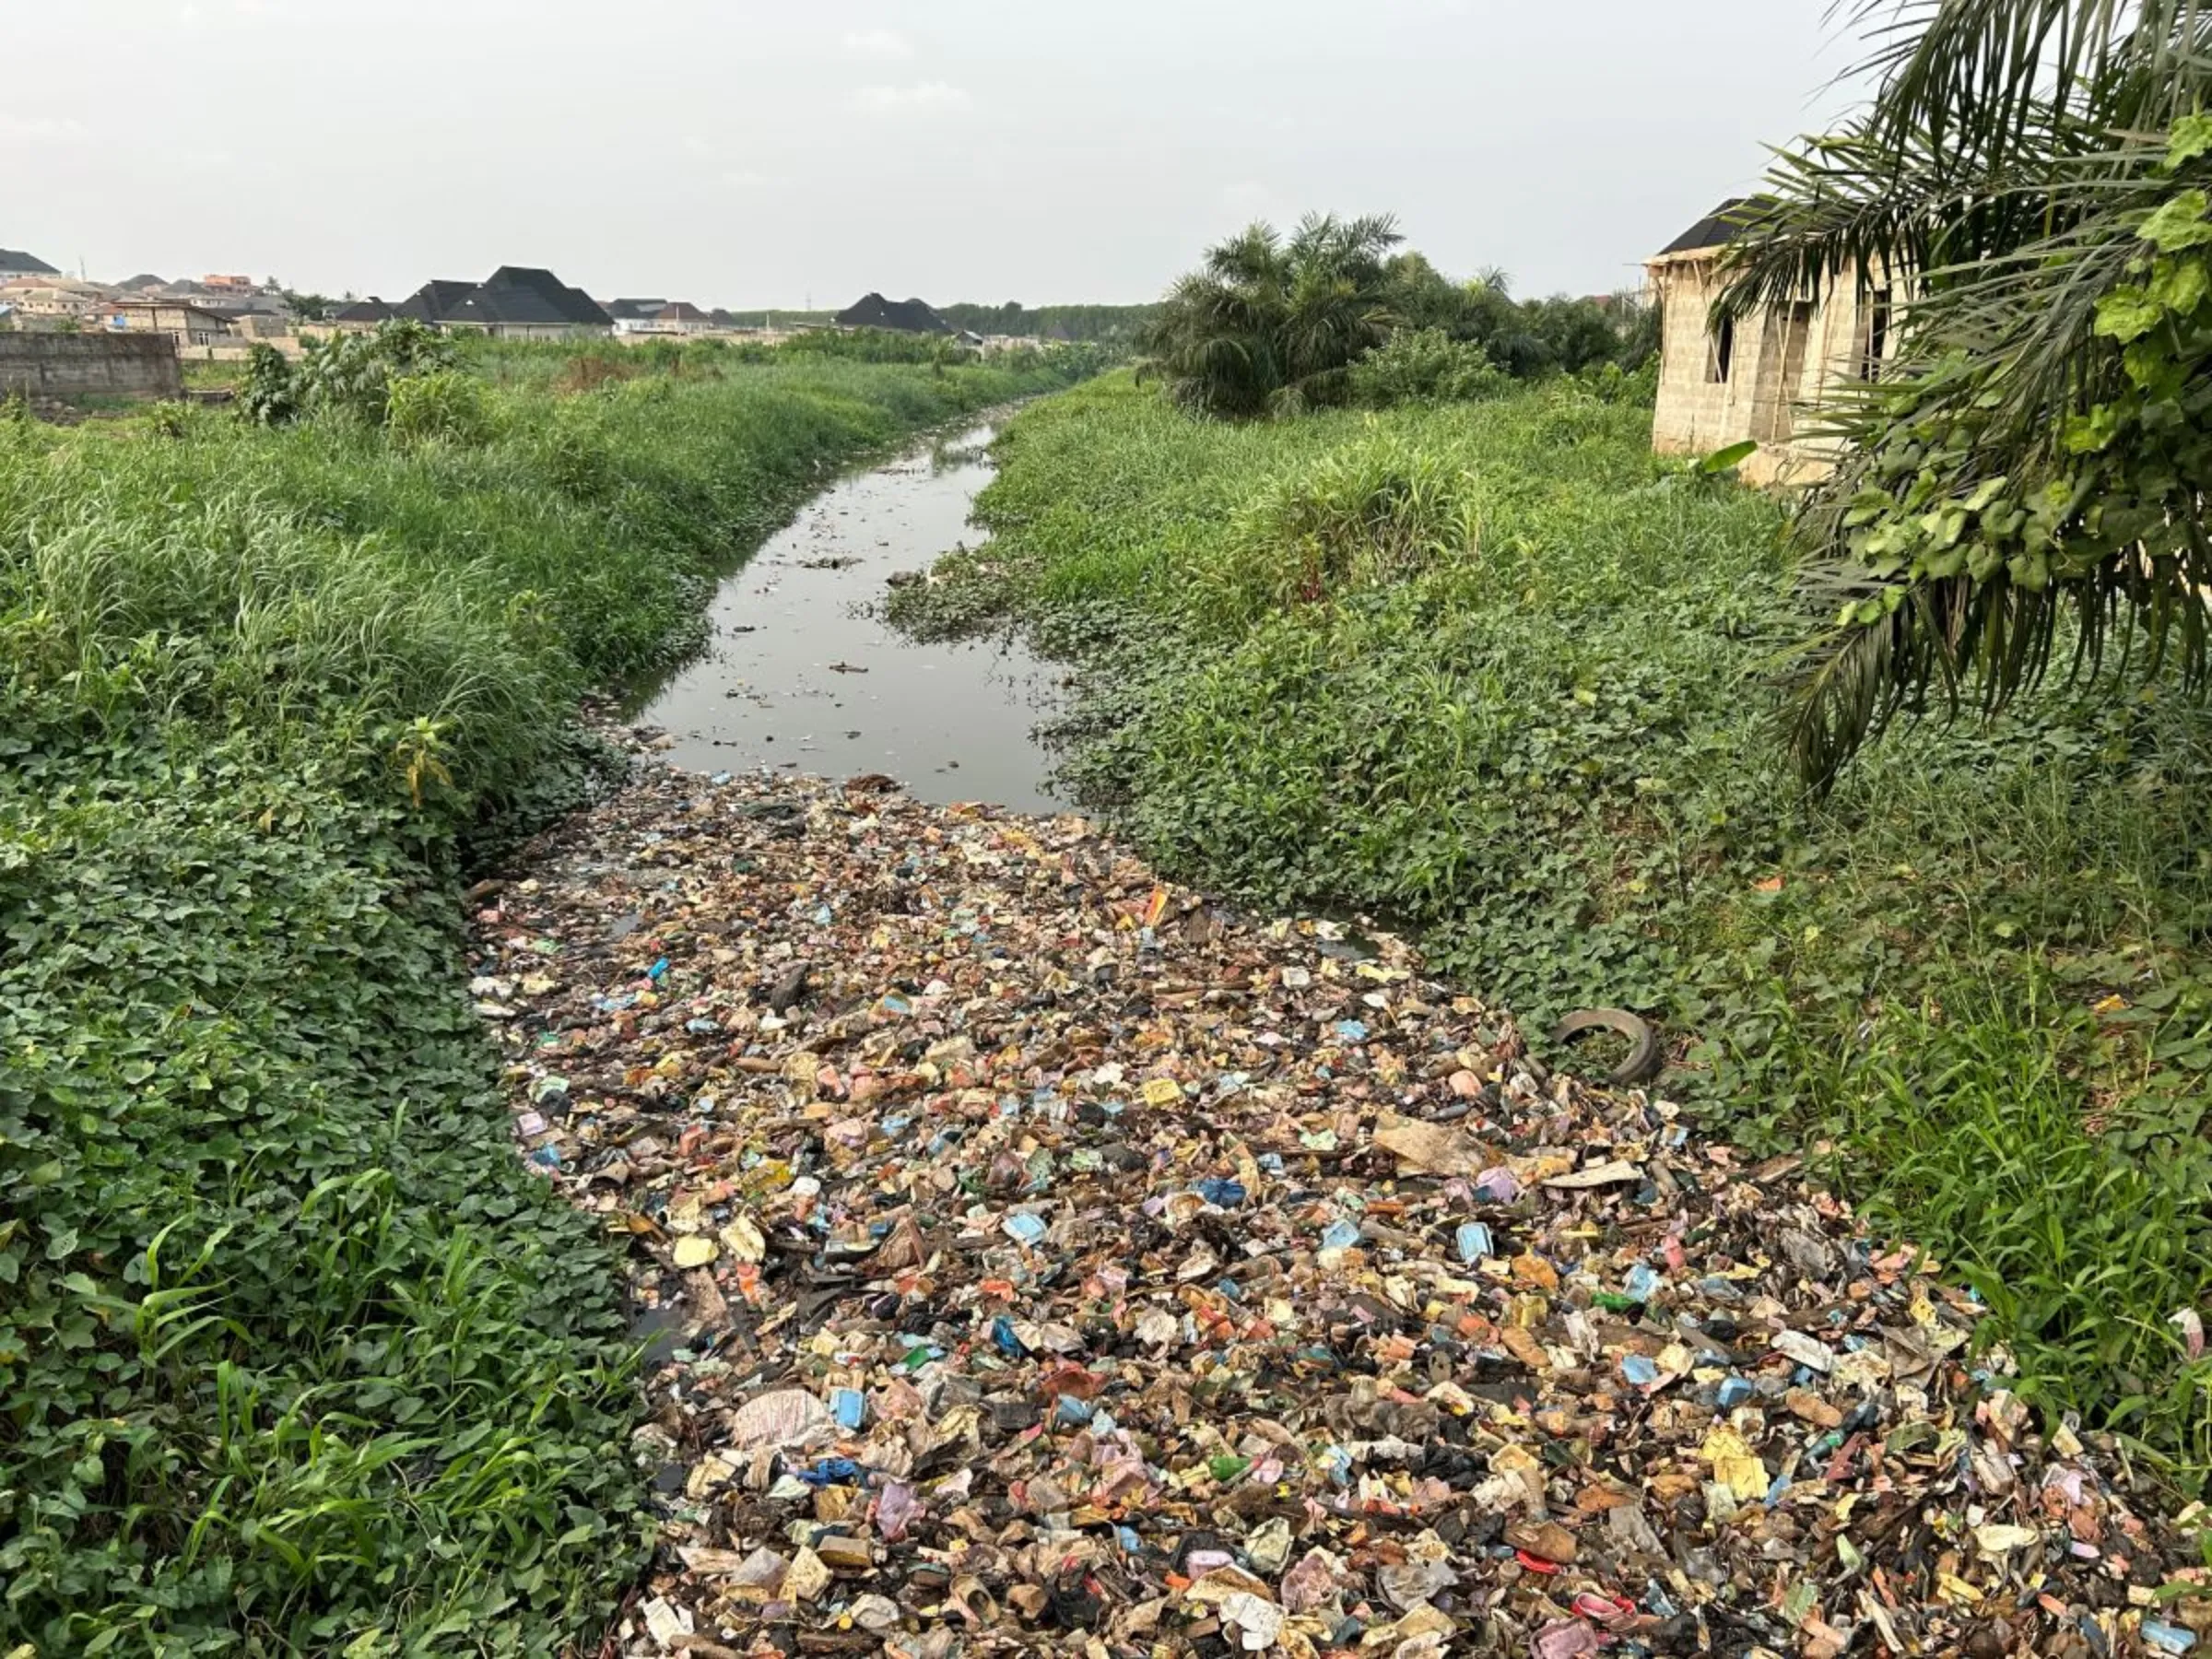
x: 2029, y: 472
x: 1270, y: 326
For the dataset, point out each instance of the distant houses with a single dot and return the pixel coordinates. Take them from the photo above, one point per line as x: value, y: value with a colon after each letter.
x: 222, y: 316
x: 515, y: 302
x: 900, y: 316
x: 363, y: 316
x: 14, y: 264
x: 187, y: 324
x: 627, y: 314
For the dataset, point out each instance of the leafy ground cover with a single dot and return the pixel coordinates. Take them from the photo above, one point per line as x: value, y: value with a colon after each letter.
x: 294, y: 1356
x: 1494, y: 672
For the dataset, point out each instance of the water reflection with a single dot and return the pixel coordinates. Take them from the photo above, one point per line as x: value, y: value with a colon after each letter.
x: 803, y: 676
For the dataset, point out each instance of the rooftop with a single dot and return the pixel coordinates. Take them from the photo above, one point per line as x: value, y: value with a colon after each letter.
x: 905, y: 316
x: 1717, y: 230
x: 519, y: 294
x: 435, y: 299
x: 370, y: 310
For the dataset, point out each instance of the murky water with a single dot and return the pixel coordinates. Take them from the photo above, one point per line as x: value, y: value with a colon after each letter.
x: 804, y: 677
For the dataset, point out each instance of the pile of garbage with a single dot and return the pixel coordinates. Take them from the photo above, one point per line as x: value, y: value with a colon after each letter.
x: 1034, y: 1255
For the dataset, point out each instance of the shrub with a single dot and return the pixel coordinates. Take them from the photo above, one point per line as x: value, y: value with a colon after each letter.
x: 1612, y: 383
x: 1361, y: 516
x: 445, y: 406
x: 268, y: 395
x: 349, y: 377
x: 1423, y: 366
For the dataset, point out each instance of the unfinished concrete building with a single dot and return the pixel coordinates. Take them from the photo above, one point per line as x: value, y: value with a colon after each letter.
x: 1759, y: 376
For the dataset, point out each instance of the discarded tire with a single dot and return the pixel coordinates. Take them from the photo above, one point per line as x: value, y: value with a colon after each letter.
x: 1643, y: 1062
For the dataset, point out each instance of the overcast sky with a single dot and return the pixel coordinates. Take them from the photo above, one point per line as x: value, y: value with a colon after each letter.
x: 770, y: 152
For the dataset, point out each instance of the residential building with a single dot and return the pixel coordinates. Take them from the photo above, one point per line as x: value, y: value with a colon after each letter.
x: 363, y: 316
x: 15, y: 263
x: 255, y: 325
x: 434, y: 301
x: 515, y: 302
x: 1756, y: 377
x: 46, y: 301
x: 901, y: 316
x: 187, y: 324
x: 684, y: 318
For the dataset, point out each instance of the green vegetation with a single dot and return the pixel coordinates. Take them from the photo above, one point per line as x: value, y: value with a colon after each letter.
x: 296, y: 1356
x: 1272, y: 325
x: 1492, y: 672
x: 2027, y: 478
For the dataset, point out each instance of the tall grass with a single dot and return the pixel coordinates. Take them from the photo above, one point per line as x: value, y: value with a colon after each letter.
x: 295, y: 1355
x: 1538, y: 730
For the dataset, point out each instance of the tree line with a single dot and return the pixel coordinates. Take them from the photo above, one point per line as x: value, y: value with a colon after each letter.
x: 1340, y: 312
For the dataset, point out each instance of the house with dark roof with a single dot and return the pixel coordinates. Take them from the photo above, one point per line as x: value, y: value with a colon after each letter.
x: 684, y: 317
x: 15, y: 263
x: 515, y: 302
x: 1759, y: 377
x: 434, y: 301
x: 363, y: 316
x: 664, y: 318
x: 900, y: 316
x: 523, y: 302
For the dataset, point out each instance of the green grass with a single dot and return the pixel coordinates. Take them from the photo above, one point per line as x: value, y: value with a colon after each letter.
x: 1493, y: 673
x: 295, y: 1356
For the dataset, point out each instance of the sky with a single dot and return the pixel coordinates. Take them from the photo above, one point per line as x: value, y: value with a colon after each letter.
x: 760, y: 153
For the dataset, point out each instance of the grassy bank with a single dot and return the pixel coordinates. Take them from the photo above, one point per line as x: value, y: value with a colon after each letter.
x: 295, y: 1356
x: 1494, y: 673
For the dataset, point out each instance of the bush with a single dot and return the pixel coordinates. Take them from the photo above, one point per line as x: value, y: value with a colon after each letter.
x: 444, y: 406
x: 1425, y: 366
x: 1363, y: 516
x: 348, y: 377
x: 1612, y: 383
x: 267, y: 395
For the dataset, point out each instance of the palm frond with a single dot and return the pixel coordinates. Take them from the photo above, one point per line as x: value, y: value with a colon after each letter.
x: 1973, y: 537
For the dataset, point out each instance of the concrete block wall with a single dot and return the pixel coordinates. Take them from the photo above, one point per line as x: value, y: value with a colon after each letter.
x: 1697, y: 415
x: 89, y: 365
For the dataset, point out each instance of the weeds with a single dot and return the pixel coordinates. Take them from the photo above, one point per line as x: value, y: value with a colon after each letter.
x: 1367, y: 515
x: 295, y: 1356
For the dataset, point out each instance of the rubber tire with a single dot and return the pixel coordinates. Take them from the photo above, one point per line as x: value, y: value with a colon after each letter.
x: 1643, y: 1059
